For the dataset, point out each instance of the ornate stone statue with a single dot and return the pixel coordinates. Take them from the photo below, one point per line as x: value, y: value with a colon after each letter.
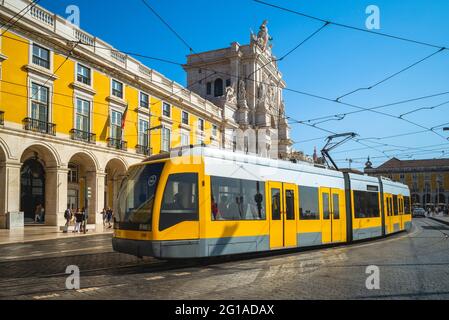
x: 242, y: 90
x: 282, y: 109
x: 263, y: 36
x: 230, y: 94
x: 271, y: 96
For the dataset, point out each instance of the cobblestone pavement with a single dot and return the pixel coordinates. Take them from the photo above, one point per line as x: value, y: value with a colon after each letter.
x: 412, y: 266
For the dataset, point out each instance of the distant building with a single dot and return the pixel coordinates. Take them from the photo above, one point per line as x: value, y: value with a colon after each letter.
x: 427, y: 179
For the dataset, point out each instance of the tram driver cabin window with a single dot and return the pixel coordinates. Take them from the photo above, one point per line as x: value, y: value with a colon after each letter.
x: 366, y: 204
x: 308, y: 203
x: 180, y: 200
x: 236, y: 199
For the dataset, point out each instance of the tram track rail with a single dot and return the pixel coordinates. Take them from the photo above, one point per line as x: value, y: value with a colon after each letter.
x: 41, y: 284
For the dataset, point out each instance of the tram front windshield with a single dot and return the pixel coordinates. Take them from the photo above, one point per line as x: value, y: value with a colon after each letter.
x: 137, y: 192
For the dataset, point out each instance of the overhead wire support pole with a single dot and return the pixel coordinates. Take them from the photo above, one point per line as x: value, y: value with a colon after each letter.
x: 330, y: 145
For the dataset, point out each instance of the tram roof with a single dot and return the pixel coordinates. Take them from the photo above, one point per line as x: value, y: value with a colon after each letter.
x: 213, y: 153
x: 241, y: 157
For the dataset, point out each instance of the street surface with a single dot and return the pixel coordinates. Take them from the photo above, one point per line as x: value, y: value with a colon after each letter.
x: 412, y: 266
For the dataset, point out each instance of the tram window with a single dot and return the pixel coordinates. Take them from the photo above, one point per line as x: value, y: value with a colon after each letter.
x: 180, y: 200
x: 290, y: 204
x: 136, y: 194
x: 388, y: 207
x: 366, y: 204
x: 275, y: 204
x: 336, y: 205
x: 308, y: 202
x: 395, y: 205
x: 326, y: 211
x: 407, y: 205
x: 237, y: 199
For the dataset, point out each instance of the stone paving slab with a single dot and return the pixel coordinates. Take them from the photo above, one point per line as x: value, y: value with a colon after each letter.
x: 442, y: 219
x: 39, y: 233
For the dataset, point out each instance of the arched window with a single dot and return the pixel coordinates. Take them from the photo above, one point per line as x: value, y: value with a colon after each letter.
x: 218, y: 87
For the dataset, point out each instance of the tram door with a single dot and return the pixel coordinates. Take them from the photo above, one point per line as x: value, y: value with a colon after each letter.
x: 388, y: 213
x: 283, y: 199
x: 332, y: 210
x: 401, y: 212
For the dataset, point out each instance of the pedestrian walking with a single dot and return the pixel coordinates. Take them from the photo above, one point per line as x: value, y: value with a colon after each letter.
x: 37, y: 213
x: 105, y: 216
x: 67, y: 216
x: 42, y: 214
x: 109, y: 217
x: 78, y: 220
x: 85, y: 217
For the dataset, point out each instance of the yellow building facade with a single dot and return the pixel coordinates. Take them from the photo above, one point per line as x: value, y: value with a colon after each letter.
x: 75, y: 114
x: 428, y: 179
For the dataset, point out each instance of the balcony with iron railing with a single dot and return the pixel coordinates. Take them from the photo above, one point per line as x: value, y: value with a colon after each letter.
x: 36, y: 125
x: 2, y: 118
x: 145, y: 150
x: 117, y: 144
x: 79, y: 135
x: 47, y: 21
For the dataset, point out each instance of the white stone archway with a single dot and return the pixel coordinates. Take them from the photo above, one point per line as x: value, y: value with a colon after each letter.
x: 85, y: 185
x: 54, y: 188
x: 115, y: 172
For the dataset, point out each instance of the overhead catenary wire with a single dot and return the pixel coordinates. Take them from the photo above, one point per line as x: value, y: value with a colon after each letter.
x: 351, y: 27
x: 71, y: 106
x: 167, y: 25
x: 403, y: 154
x: 20, y: 15
x: 337, y: 117
x: 341, y: 117
x: 363, y: 144
x: 369, y: 138
x: 391, y: 76
x: 71, y: 51
x: 345, y: 114
x: 357, y: 140
x: 290, y: 51
x: 333, y: 133
x: 400, y: 148
x: 177, y: 36
x: 107, y: 104
x: 301, y: 92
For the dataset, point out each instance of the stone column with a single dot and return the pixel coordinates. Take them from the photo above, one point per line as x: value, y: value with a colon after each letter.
x: 99, y: 194
x: 92, y: 183
x: 9, y: 190
x: 234, y: 64
x: 55, y: 196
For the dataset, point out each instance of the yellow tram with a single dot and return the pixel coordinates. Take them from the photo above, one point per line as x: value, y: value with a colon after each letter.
x: 206, y: 202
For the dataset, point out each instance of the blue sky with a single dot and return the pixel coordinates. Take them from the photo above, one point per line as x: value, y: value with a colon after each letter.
x: 331, y: 64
